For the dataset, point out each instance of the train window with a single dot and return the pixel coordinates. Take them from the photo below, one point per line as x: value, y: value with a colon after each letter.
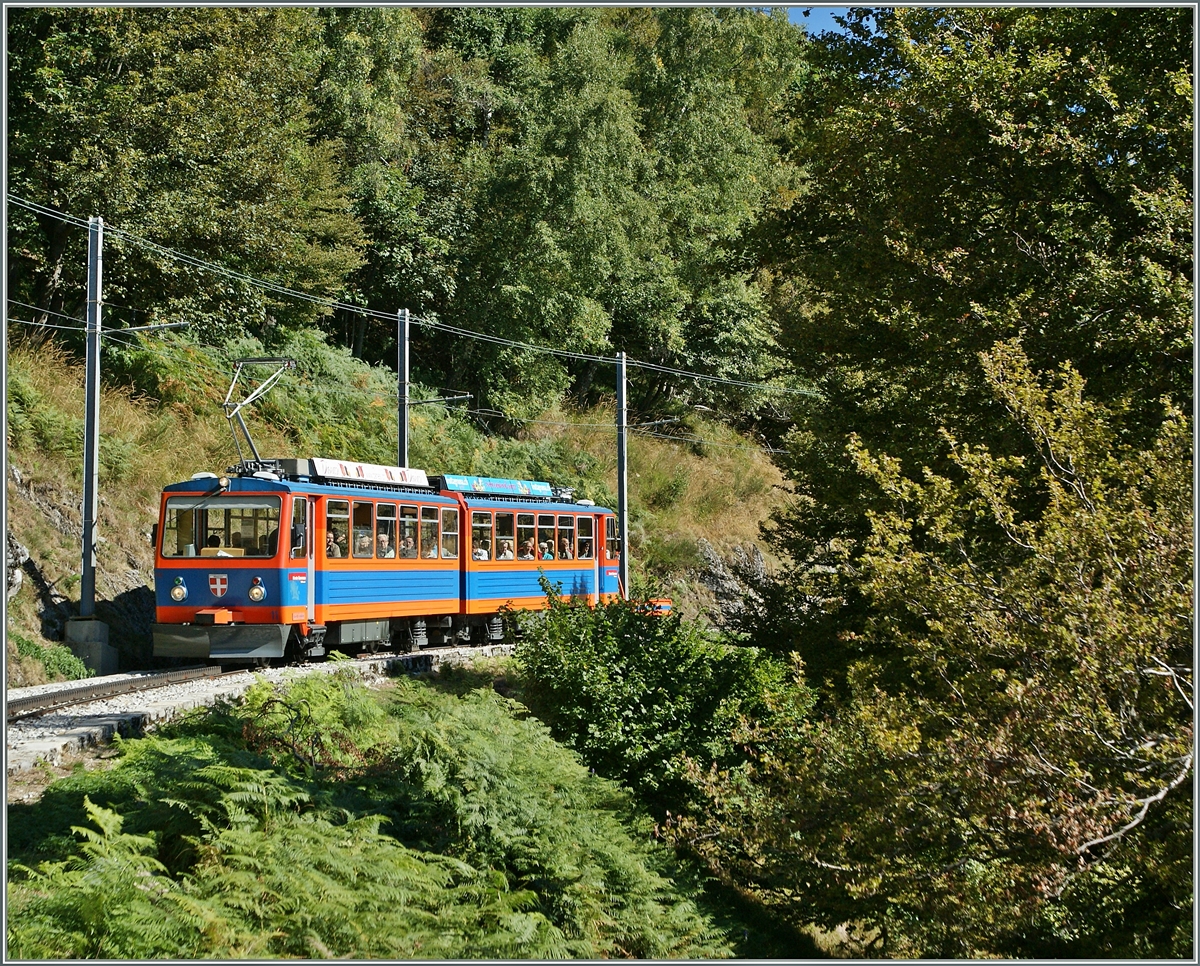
x: 586, y: 536
x: 566, y: 537
x: 299, y: 539
x: 449, y: 533
x: 545, y: 537
x: 613, y: 548
x: 408, y: 532
x: 337, y: 526
x: 385, y: 530
x: 190, y: 523
x: 244, y: 531
x: 429, y: 531
x: 364, y: 530
x: 526, y: 537
x: 481, y: 536
x: 505, y: 535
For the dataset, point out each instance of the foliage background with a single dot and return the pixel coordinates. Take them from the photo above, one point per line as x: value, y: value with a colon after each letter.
x: 568, y: 176
x: 969, y: 230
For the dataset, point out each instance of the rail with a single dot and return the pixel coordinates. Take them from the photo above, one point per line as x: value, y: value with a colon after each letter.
x: 35, y: 704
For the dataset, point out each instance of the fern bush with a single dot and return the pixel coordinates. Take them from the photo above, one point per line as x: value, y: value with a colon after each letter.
x: 268, y: 881
x: 474, y: 776
x: 310, y: 822
x: 171, y: 368
x: 59, y: 662
x: 35, y: 421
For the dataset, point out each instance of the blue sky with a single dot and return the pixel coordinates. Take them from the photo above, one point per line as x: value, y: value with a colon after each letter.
x: 818, y: 19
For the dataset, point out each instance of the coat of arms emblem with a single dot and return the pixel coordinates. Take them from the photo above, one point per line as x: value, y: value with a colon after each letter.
x: 218, y: 584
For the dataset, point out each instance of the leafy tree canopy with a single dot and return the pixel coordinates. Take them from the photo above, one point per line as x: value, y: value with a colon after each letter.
x: 1027, y: 787
x: 570, y: 177
x: 972, y: 175
x: 188, y: 128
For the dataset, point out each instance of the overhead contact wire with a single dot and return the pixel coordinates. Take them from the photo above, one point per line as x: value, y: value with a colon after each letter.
x: 336, y: 305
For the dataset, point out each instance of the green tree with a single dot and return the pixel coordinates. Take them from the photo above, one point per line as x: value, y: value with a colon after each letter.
x: 189, y: 128
x: 567, y: 176
x: 971, y: 175
x: 711, y: 86
x: 586, y: 179
x: 386, y: 97
x: 1027, y: 788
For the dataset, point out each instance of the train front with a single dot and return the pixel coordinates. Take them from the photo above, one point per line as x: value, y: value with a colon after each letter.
x: 233, y: 569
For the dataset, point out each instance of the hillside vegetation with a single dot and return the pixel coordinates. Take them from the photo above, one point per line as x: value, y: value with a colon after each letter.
x: 416, y: 825
x: 162, y: 420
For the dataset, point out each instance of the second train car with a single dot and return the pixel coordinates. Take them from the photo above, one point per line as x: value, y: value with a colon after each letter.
x: 289, y: 558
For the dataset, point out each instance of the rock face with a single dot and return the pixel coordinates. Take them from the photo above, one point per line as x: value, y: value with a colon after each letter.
x: 60, y: 506
x: 124, y: 598
x: 14, y: 559
x: 732, y: 579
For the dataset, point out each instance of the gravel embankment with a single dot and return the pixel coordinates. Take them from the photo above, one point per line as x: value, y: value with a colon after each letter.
x: 49, y: 736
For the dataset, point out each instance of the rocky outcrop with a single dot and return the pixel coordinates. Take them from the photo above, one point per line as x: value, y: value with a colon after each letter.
x: 15, y: 556
x: 733, y: 579
x: 62, y: 508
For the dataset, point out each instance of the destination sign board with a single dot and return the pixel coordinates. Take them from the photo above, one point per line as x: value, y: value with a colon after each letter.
x: 492, y: 485
x: 368, y: 472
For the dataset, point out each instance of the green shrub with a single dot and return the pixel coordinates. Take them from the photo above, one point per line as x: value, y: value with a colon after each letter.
x: 272, y: 880
x: 638, y: 695
x: 58, y: 661
x: 667, y: 490
x: 171, y: 368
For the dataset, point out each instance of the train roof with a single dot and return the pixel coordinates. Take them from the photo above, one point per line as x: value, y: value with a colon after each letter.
x: 332, y: 476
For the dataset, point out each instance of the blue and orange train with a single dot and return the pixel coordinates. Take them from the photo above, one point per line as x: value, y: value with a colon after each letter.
x: 284, y: 559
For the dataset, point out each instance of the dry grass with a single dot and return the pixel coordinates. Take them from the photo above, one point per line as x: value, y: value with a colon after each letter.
x: 157, y: 444
x: 679, y: 492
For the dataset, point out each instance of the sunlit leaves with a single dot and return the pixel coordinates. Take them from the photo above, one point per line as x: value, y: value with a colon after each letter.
x: 973, y: 175
x: 1020, y: 724
x: 209, y: 850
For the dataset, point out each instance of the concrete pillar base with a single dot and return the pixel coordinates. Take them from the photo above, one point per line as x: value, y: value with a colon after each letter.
x: 88, y: 640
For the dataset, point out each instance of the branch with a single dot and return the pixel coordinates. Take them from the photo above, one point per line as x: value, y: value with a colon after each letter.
x: 829, y: 865
x: 1168, y: 671
x: 1058, y: 771
x: 1145, y: 803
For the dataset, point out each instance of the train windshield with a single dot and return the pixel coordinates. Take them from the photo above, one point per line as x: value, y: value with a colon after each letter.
x: 220, y: 526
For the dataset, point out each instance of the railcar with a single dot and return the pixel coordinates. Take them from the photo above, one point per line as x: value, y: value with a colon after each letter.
x: 284, y: 559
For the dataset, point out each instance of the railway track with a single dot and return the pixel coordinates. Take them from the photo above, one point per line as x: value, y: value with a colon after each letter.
x: 44, y: 725
x: 31, y: 706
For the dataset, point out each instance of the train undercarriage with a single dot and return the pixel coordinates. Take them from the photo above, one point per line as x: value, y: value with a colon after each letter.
x: 260, y: 644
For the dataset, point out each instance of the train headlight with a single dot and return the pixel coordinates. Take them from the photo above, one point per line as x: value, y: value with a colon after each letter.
x: 179, y: 591
x: 257, y: 591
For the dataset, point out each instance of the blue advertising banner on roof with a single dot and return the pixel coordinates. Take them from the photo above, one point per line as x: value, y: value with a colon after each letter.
x: 490, y: 484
